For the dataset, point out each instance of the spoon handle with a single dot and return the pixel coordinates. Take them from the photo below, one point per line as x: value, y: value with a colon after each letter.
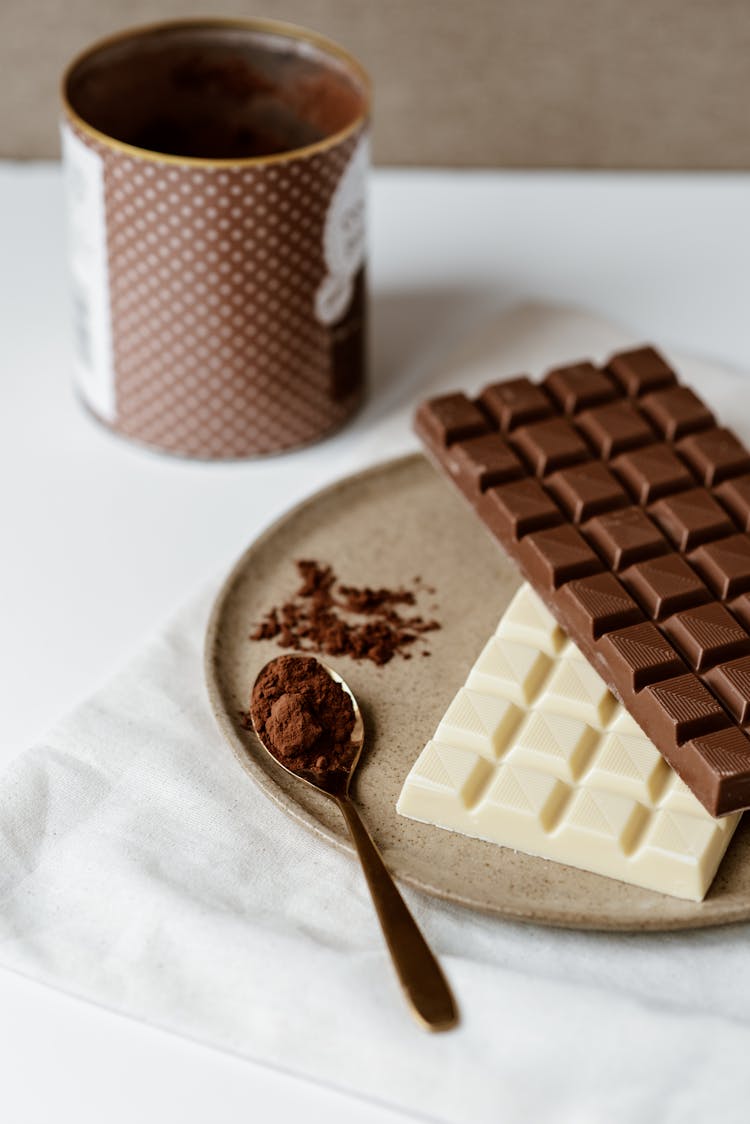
x: 418, y: 971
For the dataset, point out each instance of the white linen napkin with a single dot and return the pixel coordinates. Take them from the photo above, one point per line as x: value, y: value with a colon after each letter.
x: 140, y: 868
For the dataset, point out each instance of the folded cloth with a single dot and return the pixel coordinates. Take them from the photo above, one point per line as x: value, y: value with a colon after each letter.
x: 140, y: 868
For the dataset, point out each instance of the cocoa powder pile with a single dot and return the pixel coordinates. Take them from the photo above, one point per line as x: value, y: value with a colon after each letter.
x: 303, y: 716
x: 328, y: 617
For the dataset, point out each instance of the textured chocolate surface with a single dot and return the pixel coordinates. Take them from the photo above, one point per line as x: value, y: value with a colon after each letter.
x: 730, y: 682
x: 653, y: 472
x: 579, y: 386
x: 625, y: 537
x: 690, y: 518
x: 707, y: 635
x: 628, y: 516
x: 598, y: 604
x: 483, y: 461
x: 665, y: 585
x: 676, y: 411
x: 642, y: 654
x: 519, y: 508
x: 586, y: 490
x: 549, y: 445
x: 615, y: 428
x: 641, y: 371
x: 714, y: 455
x: 454, y: 418
x: 516, y: 402
x: 724, y: 565
x: 734, y: 495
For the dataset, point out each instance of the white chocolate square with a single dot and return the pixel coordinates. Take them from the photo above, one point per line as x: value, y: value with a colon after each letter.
x: 630, y: 764
x: 513, y: 671
x: 559, y: 746
x: 535, y: 753
x: 623, y: 722
x: 446, y: 769
x: 532, y: 798
x: 576, y: 690
x: 527, y: 620
x: 480, y: 722
x: 603, y: 820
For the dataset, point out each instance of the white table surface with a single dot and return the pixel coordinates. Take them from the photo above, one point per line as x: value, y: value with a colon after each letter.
x: 101, y: 541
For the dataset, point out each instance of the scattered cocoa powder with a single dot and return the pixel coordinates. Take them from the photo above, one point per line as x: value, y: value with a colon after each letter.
x: 302, y: 715
x: 344, y: 620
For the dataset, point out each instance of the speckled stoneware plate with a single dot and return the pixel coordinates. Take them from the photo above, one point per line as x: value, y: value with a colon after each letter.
x: 384, y: 527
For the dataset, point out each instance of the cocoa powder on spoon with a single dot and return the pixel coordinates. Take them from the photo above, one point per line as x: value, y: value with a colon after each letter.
x: 303, y: 716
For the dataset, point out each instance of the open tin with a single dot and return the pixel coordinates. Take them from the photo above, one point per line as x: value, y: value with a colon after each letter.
x: 216, y: 174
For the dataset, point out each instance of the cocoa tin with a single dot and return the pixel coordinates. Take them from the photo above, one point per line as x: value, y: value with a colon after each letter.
x: 216, y: 177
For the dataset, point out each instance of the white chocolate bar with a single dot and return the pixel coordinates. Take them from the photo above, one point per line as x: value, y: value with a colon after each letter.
x: 535, y: 753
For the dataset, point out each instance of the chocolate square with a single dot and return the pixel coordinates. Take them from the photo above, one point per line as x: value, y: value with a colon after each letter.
x: 717, y: 765
x: 740, y: 608
x: 579, y: 386
x: 665, y: 585
x: 516, y: 402
x: 451, y: 418
x: 724, y: 565
x: 691, y: 518
x: 653, y: 472
x: 730, y: 682
x: 714, y: 454
x: 677, y: 411
x: 641, y: 370
x: 734, y: 495
x: 625, y: 537
x: 586, y: 490
x: 482, y: 461
x: 707, y: 635
x: 514, y: 510
x: 597, y: 604
x: 613, y: 429
x: 641, y: 655
x: 679, y: 709
x: 551, y: 558
x: 549, y: 445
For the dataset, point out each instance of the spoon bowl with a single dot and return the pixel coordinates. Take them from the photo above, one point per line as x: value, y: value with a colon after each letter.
x: 333, y: 782
x: 419, y: 973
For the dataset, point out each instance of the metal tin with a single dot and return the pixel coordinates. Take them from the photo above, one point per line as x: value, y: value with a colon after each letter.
x: 220, y: 299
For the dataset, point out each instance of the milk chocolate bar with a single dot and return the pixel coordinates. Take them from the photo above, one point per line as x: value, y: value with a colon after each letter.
x: 627, y: 507
x: 536, y: 754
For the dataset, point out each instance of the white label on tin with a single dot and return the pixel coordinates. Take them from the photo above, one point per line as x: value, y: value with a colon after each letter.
x: 87, y: 248
x: 344, y: 237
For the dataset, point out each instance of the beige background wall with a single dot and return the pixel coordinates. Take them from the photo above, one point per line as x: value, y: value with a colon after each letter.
x: 581, y: 83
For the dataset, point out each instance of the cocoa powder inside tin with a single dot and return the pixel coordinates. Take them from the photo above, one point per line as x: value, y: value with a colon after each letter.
x: 331, y: 618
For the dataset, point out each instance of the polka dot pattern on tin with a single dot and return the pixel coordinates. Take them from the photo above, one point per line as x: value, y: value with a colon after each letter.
x: 213, y: 271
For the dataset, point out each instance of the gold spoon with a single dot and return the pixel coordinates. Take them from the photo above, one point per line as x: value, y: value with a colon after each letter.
x: 419, y: 973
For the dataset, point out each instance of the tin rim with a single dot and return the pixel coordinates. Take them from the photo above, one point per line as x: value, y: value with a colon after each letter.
x: 278, y: 27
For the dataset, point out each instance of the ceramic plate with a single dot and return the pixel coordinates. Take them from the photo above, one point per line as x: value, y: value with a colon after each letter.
x: 385, y: 527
